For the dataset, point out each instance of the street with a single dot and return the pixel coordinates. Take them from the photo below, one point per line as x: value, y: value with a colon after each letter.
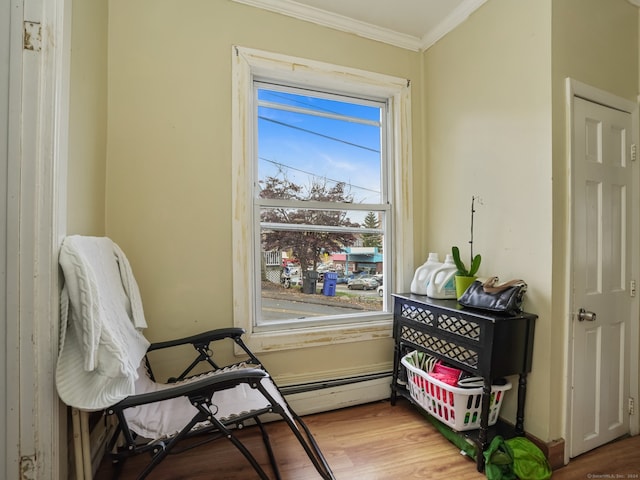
x: 290, y: 304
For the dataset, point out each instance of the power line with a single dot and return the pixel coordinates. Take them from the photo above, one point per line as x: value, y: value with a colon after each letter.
x: 315, y: 175
x: 318, y: 134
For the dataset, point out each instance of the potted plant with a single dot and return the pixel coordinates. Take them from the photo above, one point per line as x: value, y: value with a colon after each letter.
x: 465, y: 277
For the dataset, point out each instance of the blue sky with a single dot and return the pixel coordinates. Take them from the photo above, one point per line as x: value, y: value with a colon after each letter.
x: 305, y: 145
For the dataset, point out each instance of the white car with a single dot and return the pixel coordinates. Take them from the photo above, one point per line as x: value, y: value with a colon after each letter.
x: 365, y: 282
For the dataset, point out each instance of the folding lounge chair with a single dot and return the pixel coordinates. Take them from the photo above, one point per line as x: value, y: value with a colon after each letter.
x: 103, y: 366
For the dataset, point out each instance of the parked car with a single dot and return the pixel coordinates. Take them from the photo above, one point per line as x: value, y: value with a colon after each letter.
x: 366, y: 282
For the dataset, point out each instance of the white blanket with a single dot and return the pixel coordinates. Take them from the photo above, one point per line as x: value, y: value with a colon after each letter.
x: 101, y: 345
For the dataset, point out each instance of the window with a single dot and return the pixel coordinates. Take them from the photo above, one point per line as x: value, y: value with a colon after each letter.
x: 320, y: 228
x: 320, y: 207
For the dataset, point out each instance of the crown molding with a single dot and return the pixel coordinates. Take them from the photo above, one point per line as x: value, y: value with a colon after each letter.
x: 367, y: 30
x: 338, y: 22
x: 454, y: 19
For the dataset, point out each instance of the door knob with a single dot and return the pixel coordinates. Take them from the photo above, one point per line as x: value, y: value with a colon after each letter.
x: 586, y: 315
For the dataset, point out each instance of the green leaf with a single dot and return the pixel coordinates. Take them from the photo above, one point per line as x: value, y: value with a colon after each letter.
x: 455, y: 253
x: 475, y: 265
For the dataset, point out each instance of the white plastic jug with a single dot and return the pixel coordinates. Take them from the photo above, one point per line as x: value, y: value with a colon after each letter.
x: 442, y: 283
x: 423, y: 274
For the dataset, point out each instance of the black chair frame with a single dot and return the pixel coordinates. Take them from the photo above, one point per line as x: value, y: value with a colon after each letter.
x: 125, y: 443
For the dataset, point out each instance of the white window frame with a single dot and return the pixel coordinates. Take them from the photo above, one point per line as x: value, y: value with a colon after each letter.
x: 248, y: 64
x: 380, y: 207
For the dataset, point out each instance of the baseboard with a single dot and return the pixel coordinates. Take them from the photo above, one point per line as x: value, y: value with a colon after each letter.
x: 555, y: 453
x: 315, y: 400
x: 553, y: 450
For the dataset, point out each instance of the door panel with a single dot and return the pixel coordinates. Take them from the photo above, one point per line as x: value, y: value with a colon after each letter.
x: 602, y: 177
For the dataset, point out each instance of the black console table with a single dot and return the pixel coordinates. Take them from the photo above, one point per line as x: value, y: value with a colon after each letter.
x: 481, y: 343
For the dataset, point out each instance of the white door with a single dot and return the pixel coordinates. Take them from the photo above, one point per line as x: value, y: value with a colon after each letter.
x: 602, y: 208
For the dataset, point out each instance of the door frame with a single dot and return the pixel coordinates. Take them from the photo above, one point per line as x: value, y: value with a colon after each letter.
x: 37, y: 125
x: 573, y: 89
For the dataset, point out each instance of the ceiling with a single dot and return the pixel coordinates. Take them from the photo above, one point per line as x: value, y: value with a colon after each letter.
x: 410, y: 24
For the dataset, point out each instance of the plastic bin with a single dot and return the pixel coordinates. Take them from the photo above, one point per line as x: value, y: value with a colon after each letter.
x: 309, y: 281
x: 454, y: 406
x: 330, y: 282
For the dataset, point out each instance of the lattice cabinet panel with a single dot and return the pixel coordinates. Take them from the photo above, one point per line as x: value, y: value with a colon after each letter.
x: 445, y: 348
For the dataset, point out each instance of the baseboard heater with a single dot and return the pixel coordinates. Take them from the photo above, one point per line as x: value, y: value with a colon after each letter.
x: 326, y: 395
x: 338, y: 382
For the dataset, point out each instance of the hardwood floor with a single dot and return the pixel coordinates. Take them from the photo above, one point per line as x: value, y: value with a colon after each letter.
x: 617, y: 460
x: 369, y: 442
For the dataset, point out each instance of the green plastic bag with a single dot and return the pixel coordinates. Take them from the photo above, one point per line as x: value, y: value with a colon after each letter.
x: 529, y: 463
x: 516, y: 458
x: 498, y: 461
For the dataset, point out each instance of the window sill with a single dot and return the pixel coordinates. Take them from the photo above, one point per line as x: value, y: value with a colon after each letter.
x: 319, y: 335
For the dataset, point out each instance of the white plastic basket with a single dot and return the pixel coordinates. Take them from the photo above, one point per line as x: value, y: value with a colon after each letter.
x: 457, y: 407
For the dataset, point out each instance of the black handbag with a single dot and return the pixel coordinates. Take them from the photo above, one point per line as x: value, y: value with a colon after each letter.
x: 503, y: 298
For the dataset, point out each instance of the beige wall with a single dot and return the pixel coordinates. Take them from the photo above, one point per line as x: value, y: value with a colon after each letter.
x: 596, y: 42
x: 168, y: 194
x: 488, y: 124
x: 88, y: 119
x: 87, y: 145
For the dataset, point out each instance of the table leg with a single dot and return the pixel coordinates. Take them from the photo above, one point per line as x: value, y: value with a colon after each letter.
x: 394, y: 378
x: 483, y: 440
x: 522, y: 391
